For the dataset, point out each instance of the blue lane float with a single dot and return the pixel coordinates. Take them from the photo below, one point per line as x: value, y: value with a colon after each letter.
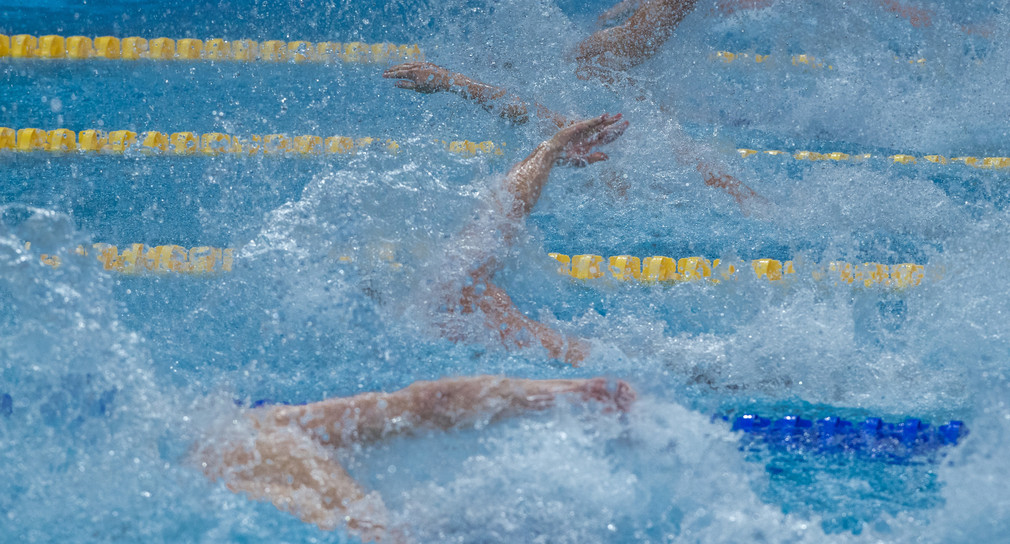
x: 872, y: 437
x: 6, y: 405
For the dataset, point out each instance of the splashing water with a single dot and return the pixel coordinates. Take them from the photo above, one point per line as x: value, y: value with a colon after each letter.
x: 110, y: 379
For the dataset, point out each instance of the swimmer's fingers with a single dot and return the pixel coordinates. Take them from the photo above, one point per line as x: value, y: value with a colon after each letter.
x: 624, y: 396
x: 423, y: 77
x: 602, y: 130
x: 578, y: 349
x: 582, y: 131
x: 407, y: 68
x: 608, y: 134
x: 598, y: 156
x: 576, y: 160
x: 621, y: 397
x: 580, y: 138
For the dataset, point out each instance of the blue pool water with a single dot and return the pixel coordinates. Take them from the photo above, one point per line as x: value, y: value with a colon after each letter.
x: 111, y: 378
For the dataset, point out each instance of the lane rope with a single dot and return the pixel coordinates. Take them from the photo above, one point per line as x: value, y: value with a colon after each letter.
x: 175, y: 259
x: 27, y: 46
x: 141, y: 259
x: 61, y: 140
x: 985, y: 163
x: 659, y: 269
x: 831, y: 434
x: 802, y: 60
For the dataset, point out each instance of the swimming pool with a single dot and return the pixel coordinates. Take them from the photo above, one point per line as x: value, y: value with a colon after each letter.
x: 111, y: 377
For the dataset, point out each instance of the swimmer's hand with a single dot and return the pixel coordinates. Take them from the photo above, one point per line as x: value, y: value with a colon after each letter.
x: 575, y: 142
x: 620, y: 398
x: 423, y: 77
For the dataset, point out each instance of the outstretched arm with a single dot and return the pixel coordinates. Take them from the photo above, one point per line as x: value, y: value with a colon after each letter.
x: 290, y: 460
x: 425, y: 77
x: 439, y: 405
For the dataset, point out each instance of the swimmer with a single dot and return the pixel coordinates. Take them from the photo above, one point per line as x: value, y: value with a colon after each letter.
x: 606, y: 55
x: 290, y: 457
x: 574, y: 145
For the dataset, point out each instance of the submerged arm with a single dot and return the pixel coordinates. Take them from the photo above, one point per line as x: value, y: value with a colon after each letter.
x: 515, y: 329
x: 425, y: 77
x: 298, y: 474
x: 573, y: 145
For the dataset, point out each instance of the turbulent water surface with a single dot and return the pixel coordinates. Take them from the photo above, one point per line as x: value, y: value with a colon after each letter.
x: 111, y: 378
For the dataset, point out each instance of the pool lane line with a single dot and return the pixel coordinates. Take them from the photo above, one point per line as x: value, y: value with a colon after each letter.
x: 984, y: 163
x: 873, y: 436
x: 139, y: 259
x: 61, y: 140
x: 27, y: 46
x: 802, y: 60
x: 659, y: 269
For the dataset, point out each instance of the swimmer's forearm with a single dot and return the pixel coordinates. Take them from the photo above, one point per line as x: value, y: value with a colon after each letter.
x: 526, y: 179
x: 454, y: 402
x: 498, y: 100
x: 442, y: 404
x: 491, y: 98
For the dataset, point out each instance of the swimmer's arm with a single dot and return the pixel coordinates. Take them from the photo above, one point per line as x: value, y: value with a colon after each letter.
x: 299, y: 475
x: 572, y: 146
x: 637, y: 38
x: 744, y: 196
x: 425, y: 77
x: 713, y: 173
x: 445, y: 404
x: 516, y: 329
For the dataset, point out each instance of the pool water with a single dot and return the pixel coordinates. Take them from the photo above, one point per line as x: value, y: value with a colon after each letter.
x: 111, y: 378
